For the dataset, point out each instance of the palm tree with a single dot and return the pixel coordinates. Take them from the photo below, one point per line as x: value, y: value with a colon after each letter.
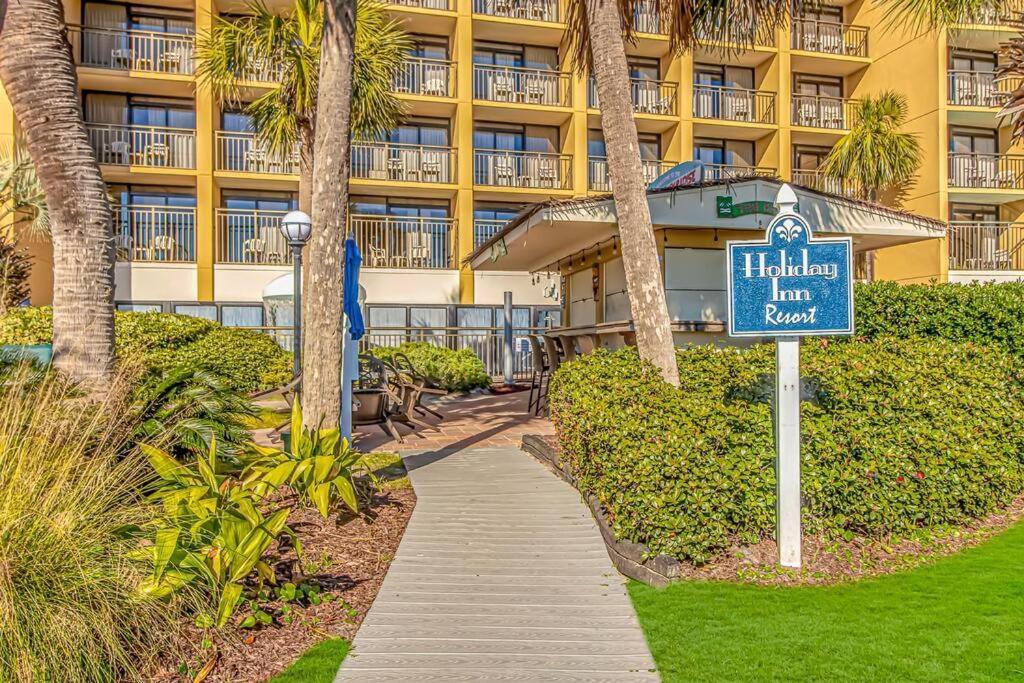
x: 22, y: 200
x: 284, y: 117
x: 1012, y: 69
x: 39, y: 76
x: 876, y: 156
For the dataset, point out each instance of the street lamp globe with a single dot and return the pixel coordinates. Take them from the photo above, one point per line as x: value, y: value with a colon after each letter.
x: 296, y: 226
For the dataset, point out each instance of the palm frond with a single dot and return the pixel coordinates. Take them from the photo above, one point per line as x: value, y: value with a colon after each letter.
x: 1012, y: 69
x: 926, y: 15
x: 380, y: 49
x: 22, y: 200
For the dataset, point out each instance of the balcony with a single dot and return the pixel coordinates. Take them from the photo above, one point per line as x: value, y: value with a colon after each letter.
x: 597, y: 172
x: 151, y: 146
x: 818, y: 111
x: 986, y: 246
x: 531, y: 170
x: 648, y: 96
x: 733, y: 104
x: 240, y: 153
x: 986, y: 171
x: 420, y: 76
x: 646, y: 18
x: 486, y: 228
x: 260, y: 70
x: 251, y: 237
x: 443, y: 5
x: 521, y: 85
x: 405, y: 242
x: 816, y: 180
x: 533, y: 10
x: 402, y: 162
x: 1002, y: 15
x: 108, y: 48
x: 719, y: 172
x: 978, y: 89
x: 154, y: 233
x: 830, y: 38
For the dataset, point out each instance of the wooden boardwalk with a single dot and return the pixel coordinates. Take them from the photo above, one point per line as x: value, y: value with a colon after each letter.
x: 501, y: 576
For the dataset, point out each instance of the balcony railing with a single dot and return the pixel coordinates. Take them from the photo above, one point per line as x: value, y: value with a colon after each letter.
x: 648, y: 96
x: 1003, y: 14
x: 830, y: 37
x: 142, y: 145
x: 986, y: 246
x: 506, y: 168
x: 597, y: 172
x: 405, y: 242
x: 260, y: 70
x: 646, y: 18
x: 517, y: 84
x: 719, y: 172
x: 486, y: 228
x: 406, y: 163
x: 534, y: 10
x: 708, y: 36
x: 155, y: 233
x: 421, y: 76
x: 820, y: 111
x: 111, y: 48
x: 733, y: 104
x: 444, y: 5
x: 991, y: 171
x: 816, y: 180
x: 245, y: 236
x: 241, y: 153
x: 979, y: 89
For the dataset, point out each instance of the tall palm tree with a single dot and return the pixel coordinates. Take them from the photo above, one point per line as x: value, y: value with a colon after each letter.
x: 876, y: 155
x: 40, y: 78
x: 284, y: 117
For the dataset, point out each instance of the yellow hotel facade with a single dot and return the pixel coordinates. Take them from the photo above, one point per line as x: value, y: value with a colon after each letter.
x: 497, y: 120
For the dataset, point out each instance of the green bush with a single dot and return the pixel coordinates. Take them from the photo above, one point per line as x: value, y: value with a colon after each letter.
x: 251, y: 361
x: 26, y: 326
x: 900, y: 435
x: 449, y: 369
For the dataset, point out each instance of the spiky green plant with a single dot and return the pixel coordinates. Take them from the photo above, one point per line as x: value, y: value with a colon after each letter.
x: 876, y: 155
x: 22, y: 201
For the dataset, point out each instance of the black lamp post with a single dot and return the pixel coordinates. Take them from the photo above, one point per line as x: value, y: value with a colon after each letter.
x: 296, y: 226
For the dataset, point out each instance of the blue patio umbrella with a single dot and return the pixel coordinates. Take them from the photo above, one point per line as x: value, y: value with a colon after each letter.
x: 350, y: 290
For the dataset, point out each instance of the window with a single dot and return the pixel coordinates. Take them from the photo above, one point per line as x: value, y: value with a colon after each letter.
x: 695, y: 284
x: 718, y: 75
x: 820, y: 12
x: 141, y: 308
x: 527, y: 56
x: 516, y: 138
x: 251, y: 200
x: 644, y: 69
x: 971, y: 60
x: 824, y: 86
x: 807, y: 158
x: 723, y: 152
x: 650, y: 145
x: 197, y: 310
x: 120, y: 109
x: 241, y: 316
x: 236, y: 122
x: 432, y: 132
x: 496, y: 212
x: 429, y: 47
x: 383, y: 206
x: 137, y: 17
x: 973, y: 141
x: 973, y: 213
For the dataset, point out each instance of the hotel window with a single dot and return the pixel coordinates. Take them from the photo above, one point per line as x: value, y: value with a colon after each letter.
x: 724, y: 152
x: 137, y: 18
x: 526, y: 56
x: 820, y: 12
x: 824, y: 86
x: 807, y: 158
x: 429, y: 47
x: 719, y: 75
x: 973, y: 213
x: 139, y: 110
x: 516, y: 138
x: 973, y: 141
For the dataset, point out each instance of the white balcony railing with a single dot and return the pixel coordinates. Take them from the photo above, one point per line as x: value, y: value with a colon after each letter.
x: 517, y: 84
x: 421, y: 76
x: 648, y: 96
x: 251, y: 236
x: 986, y: 246
x: 597, y: 172
x: 534, y: 10
x: 718, y: 172
x: 108, y: 48
x: 154, y: 233
x: 143, y: 145
x: 407, y: 163
x: 821, y: 111
x: 486, y: 228
x: 405, y: 241
x: 816, y: 180
x: 646, y: 17
x: 829, y: 37
x: 733, y: 104
x: 240, y: 152
x: 990, y: 171
x: 444, y: 5
x: 507, y: 168
x: 979, y: 89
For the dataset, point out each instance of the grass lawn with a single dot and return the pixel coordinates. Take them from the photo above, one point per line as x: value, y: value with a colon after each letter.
x: 960, y: 618
x: 319, y: 664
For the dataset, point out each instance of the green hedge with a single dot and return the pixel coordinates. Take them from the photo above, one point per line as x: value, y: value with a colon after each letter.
x: 449, y: 369
x: 247, y: 360
x: 900, y: 435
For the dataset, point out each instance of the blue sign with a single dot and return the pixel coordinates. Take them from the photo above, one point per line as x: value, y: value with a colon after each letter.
x: 791, y: 283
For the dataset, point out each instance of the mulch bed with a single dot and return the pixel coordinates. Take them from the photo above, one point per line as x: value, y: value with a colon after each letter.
x: 346, y: 555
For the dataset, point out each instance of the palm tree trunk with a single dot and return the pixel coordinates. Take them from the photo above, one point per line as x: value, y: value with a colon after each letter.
x: 622, y: 147
x: 322, y: 305
x: 306, y: 141
x: 39, y: 75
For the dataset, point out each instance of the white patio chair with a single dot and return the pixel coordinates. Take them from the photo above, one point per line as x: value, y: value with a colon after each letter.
x: 120, y: 58
x: 418, y: 248
x: 254, y: 250
x: 165, y: 245
x: 502, y: 89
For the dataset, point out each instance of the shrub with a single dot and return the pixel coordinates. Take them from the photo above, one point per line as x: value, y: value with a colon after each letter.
x: 25, y: 326
x: 149, y: 334
x: 449, y: 369
x: 249, y: 360
x: 900, y: 435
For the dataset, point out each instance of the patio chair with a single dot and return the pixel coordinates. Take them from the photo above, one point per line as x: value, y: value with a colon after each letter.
x: 538, y: 378
x: 286, y: 392
x: 418, y: 248
x: 370, y: 407
x: 123, y: 247
x: 502, y: 89
x: 378, y: 257
x: 401, y: 363
x: 254, y: 250
x: 166, y: 246
x: 407, y: 394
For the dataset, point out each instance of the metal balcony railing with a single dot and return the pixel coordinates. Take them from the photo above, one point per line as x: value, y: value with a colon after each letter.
x: 649, y: 96
x: 986, y: 246
x: 821, y: 111
x: 517, y: 84
x: 486, y: 228
x: 816, y: 180
x: 992, y: 171
x: 444, y: 5
x: 406, y: 163
x: 260, y: 70
x: 111, y: 48
x: 143, y: 145
x: 733, y: 104
x: 979, y: 88
x: 710, y: 35
x: 405, y: 242
x: 646, y: 18
x: 719, y: 172
x: 1007, y: 11
x: 507, y: 168
x: 830, y: 37
x: 421, y: 76
x: 251, y: 236
x: 240, y: 152
x: 597, y: 172
x: 534, y: 10
x: 154, y: 233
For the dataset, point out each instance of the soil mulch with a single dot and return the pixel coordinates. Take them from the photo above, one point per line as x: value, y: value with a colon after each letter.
x: 347, y: 556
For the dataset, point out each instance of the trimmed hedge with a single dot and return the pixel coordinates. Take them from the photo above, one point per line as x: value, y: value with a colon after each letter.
x: 247, y: 360
x: 449, y: 369
x: 900, y: 435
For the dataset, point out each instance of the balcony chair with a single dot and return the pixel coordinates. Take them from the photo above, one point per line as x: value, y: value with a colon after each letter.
x: 378, y: 257
x: 166, y: 246
x: 396, y: 168
x: 737, y: 108
x: 504, y: 8
x: 117, y: 150
x: 431, y: 170
x: 123, y: 247
x: 534, y: 92
x: 255, y: 159
x: 502, y: 89
x: 418, y: 248
x: 155, y: 151
x: 547, y: 175
x: 170, y: 62
x: 120, y: 58
x: 436, y: 86
x: 504, y: 174
x: 142, y: 64
x: 832, y: 44
x: 254, y: 250
x: 536, y: 11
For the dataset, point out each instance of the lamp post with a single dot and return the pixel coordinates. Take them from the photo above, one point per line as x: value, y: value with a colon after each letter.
x: 296, y: 226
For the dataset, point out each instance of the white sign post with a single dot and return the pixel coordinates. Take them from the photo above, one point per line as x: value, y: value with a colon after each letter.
x: 788, y: 285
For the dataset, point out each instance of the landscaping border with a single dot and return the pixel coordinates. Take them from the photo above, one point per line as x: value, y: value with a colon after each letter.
x: 627, y: 556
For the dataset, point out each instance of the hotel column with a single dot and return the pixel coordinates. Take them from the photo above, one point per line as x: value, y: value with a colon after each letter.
x: 206, y: 194
x: 463, y: 129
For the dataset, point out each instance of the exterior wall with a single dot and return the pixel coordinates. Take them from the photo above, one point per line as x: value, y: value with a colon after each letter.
x: 985, y: 276
x: 155, y: 282
x: 490, y: 287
